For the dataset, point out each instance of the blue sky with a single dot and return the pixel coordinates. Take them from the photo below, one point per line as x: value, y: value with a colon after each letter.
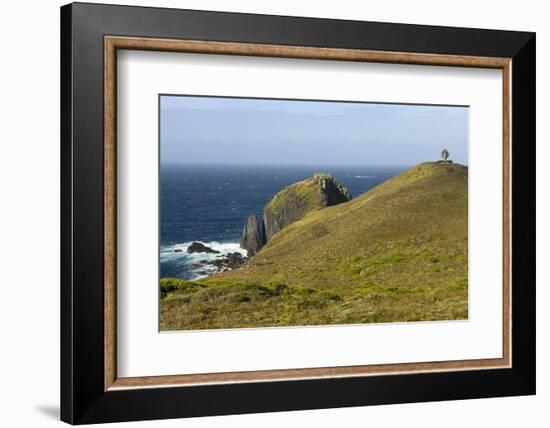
x: 212, y: 130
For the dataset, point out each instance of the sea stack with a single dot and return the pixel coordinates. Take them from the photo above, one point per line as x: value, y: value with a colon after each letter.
x: 252, y: 236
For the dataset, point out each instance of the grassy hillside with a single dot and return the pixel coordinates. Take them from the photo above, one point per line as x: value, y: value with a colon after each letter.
x: 395, y: 253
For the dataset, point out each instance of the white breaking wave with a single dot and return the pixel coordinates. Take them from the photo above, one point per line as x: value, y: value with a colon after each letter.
x: 222, y: 247
x: 192, y: 262
x: 364, y: 176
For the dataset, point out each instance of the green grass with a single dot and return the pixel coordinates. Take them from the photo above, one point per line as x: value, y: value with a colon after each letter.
x: 304, y: 193
x: 236, y: 304
x: 396, y: 253
x: 168, y: 285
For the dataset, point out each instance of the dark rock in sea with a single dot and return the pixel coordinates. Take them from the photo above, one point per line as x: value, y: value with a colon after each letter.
x: 223, y: 263
x: 298, y: 199
x: 197, y: 247
x: 229, y: 261
x: 178, y: 250
x: 252, y: 236
x: 234, y: 260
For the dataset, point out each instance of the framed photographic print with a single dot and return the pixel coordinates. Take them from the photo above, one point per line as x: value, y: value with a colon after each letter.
x: 265, y: 213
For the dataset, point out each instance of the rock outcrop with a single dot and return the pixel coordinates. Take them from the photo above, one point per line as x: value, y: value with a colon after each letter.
x: 298, y: 199
x: 221, y: 263
x: 198, y: 247
x: 291, y: 204
x: 229, y: 261
x: 252, y: 236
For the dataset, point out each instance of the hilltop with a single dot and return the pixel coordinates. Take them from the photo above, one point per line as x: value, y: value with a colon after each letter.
x: 395, y: 253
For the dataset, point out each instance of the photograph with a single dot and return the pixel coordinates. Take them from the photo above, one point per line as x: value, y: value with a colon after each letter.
x: 288, y: 212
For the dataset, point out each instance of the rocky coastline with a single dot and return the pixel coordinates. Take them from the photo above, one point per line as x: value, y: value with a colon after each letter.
x: 289, y: 205
x: 223, y: 262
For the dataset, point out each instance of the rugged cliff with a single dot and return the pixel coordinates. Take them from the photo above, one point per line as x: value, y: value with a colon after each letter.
x: 252, y: 236
x: 298, y: 199
x: 291, y: 204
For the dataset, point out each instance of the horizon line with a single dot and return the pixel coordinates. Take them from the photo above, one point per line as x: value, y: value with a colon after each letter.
x: 297, y: 164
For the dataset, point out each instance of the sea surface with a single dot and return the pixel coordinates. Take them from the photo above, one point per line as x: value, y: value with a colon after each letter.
x: 210, y: 204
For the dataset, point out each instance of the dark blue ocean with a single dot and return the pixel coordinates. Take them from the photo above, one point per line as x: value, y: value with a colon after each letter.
x: 210, y: 204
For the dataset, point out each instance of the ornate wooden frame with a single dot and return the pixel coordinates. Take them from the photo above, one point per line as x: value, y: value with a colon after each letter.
x: 91, y: 390
x: 113, y: 43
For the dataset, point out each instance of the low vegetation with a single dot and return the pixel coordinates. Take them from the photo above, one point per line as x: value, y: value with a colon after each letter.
x: 396, y: 253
